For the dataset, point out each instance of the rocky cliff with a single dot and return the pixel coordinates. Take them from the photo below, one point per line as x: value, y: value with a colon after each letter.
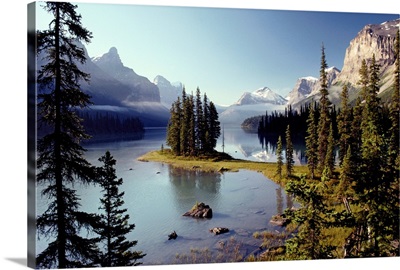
x: 373, y: 39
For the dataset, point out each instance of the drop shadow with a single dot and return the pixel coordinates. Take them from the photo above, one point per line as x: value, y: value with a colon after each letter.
x: 20, y: 261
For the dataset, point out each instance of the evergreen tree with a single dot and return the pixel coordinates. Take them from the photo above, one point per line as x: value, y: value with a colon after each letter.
x: 324, y: 117
x: 329, y: 157
x: 394, y: 131
x: 114, y: 225
x: 192, y: 129
x: 214, y: 127
x: 279, y: 158
x: 346, y: 179
x: 206, y: 125
x: 61, y: 162
x: 289, y: 153
x: 174, y: 127
x: 312, y: 142
x: 372, y: 189
x: 185, y: 124
x: 312, y: 218
x: 364, y: 79
x: 200, y: 121
x: 344, y: 124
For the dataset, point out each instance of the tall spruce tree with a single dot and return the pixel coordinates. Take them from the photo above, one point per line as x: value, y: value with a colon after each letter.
x: 371, y: 188
x: 214, y: 127
x: 394, y: 131
x: 312, y: 142
x: 364, y: 79
x: 279, y: 158
x: 187, y: 111
x: 346, y: 177
x: 114, y: 226
x: 200, y: 121
x: 324, y: 117
x: 205, y: 126
x: 329, y: 163
x: 344, y: 123
x: 289, y: 153
x: 61, y: 162
x: 174, y: 127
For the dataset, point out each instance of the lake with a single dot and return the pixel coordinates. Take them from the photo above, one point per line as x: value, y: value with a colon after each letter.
x: 156, y: 196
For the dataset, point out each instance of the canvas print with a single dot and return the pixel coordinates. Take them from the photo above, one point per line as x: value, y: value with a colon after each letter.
x: 166, y: 135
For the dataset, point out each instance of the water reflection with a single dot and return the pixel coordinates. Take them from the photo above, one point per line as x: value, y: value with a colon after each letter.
x: 279, y: 201
x: 269, y: 144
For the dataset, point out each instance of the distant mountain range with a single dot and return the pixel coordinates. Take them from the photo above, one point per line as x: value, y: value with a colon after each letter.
x: 118, y: 89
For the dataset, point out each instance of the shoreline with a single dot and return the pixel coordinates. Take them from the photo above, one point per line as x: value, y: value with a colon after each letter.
x: 218, y: 163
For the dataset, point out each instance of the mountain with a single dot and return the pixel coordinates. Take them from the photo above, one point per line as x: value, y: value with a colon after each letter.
x: 260, y: 96
x: 307, y: 88
x: 251, y: 104
x: 372, y: 39
x: 169, y: 92
x: 116, y: 89
x: 302, y: 89
x: 142, y: 90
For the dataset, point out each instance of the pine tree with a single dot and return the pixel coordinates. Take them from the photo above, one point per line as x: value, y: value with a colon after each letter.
x: 324, y: 117
x: 312, y: 142
x: 200, y: 121
x: 346, y: 177
x: 114, y: 226
x: 394, y: 131
x: 289, y: 153
x: 364, y: 79
x: 192, y: 129
x: 205, y: 139
x: 372, y: 189
x: 185, y: 124
x: 329, y: 157
x: 214, y: 127
x: 61, y: 161
x: 344, y: 124
x: 174, y: 127
x: 279, y: 158
x: 311, y: 218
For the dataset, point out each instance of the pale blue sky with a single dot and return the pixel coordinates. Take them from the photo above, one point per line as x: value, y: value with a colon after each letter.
x: 224, y: 51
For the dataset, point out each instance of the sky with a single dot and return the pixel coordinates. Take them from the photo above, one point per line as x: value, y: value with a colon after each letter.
x: 223, y: 51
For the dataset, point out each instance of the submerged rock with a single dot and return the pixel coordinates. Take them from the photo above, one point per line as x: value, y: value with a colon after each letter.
x: 219, y: 230
x: 199, y: 210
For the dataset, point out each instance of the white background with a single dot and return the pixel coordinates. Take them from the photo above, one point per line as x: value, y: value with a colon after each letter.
x: 13, y: 104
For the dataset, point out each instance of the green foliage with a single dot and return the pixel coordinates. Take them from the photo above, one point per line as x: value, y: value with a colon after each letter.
x: 329, y: 157
x: 279, y: 158
x: 289, y: 153
x: 324, y: 118
x: 311, y: 219
x: 193, y: 128
x: 113, y: 225
x: 312, y: 142
x: 344, y: 123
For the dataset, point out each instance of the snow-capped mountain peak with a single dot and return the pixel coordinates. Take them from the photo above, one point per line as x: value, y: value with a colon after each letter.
x: 261, y: 95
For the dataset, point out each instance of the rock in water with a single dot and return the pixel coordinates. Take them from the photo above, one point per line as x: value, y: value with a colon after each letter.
x: 199, y: 210
x: 219, y: 230
x: 172, y: 235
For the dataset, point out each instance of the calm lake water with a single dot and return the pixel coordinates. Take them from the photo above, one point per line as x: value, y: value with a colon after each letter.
x: 157, y: 195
